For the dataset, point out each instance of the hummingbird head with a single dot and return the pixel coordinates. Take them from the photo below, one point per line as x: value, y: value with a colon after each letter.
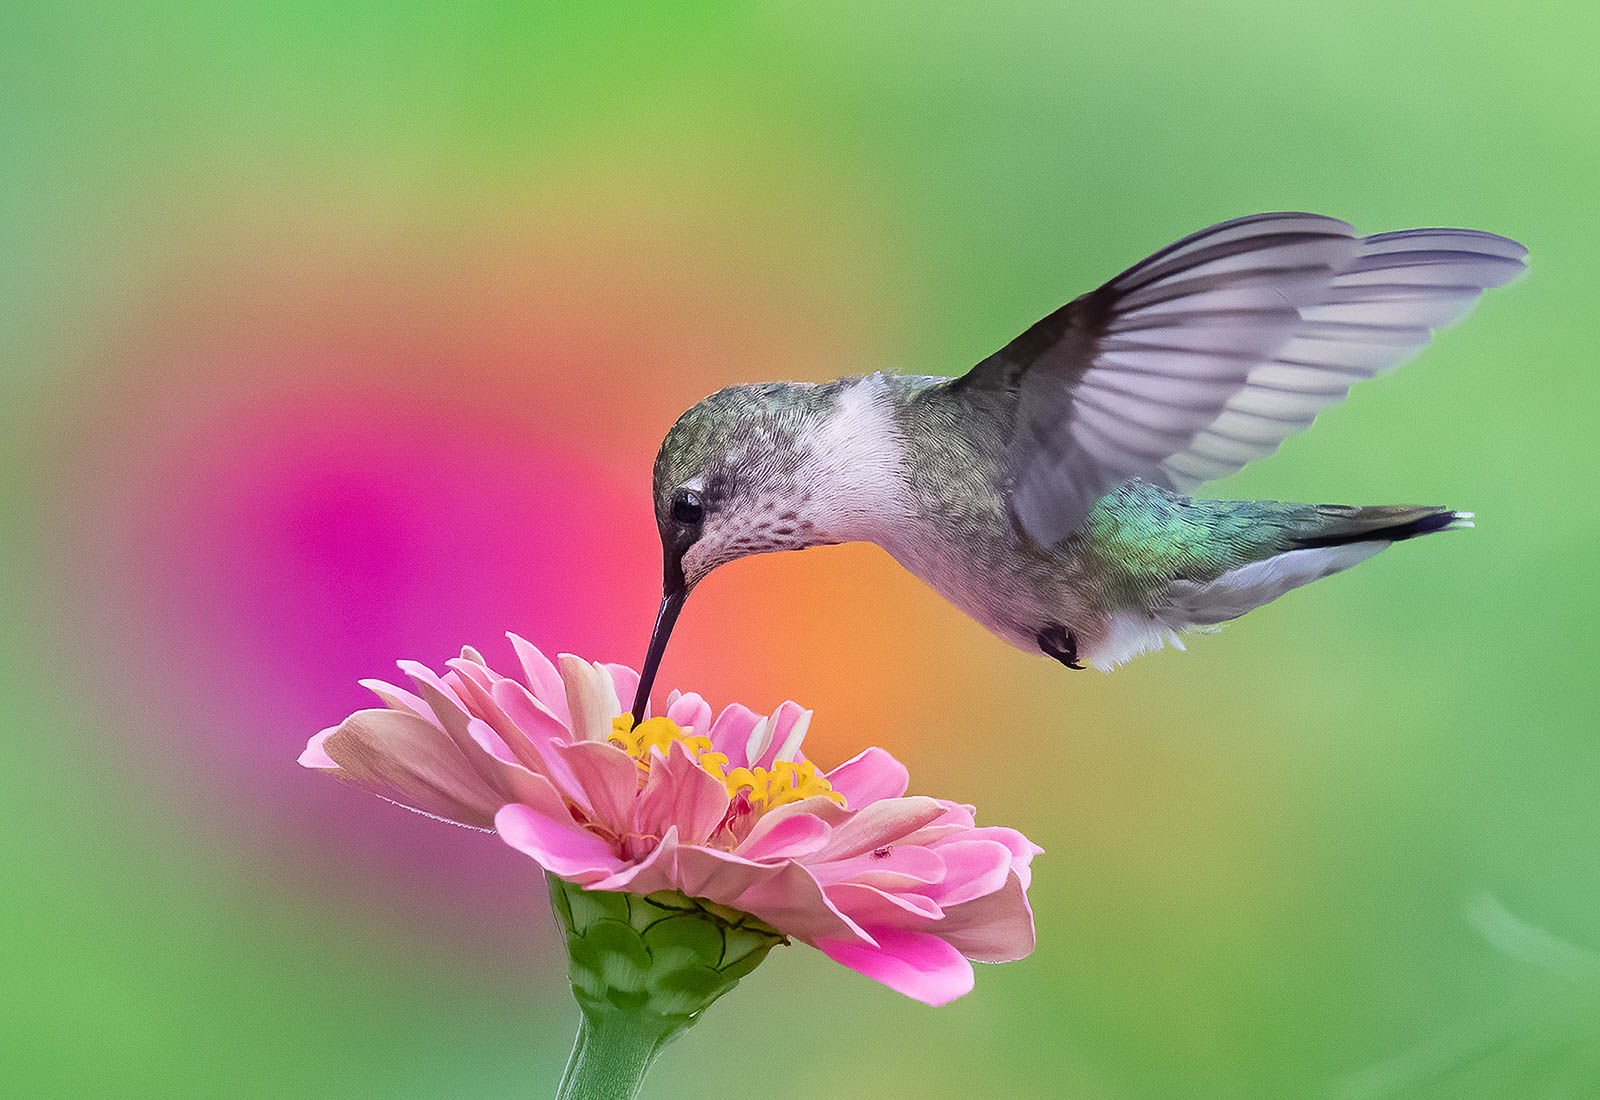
x: 728, y: 483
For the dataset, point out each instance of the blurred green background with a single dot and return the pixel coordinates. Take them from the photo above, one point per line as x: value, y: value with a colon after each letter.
x: 336, y: 333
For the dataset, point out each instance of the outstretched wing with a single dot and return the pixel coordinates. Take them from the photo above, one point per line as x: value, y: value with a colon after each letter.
x: 1206, y: 355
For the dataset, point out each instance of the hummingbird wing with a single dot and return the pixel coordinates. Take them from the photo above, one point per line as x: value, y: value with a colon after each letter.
x: 1209, y: 353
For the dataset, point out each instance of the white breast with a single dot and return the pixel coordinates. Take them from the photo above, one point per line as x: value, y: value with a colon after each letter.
x: 852, y: 470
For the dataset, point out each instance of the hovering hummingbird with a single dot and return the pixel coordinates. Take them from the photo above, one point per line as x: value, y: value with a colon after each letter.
x: 1042, y: 492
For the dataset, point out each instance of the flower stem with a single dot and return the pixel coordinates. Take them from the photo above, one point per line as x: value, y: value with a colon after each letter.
x: 613, y: 1052
x: 643, y: 969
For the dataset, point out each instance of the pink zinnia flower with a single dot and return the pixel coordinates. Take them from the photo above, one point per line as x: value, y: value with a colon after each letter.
x: 905, y: 890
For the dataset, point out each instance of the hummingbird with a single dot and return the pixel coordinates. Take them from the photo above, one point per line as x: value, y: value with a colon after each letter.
x: 1045, y: 491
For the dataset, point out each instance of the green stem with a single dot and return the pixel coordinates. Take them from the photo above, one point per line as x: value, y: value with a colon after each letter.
x: 613, y: 1052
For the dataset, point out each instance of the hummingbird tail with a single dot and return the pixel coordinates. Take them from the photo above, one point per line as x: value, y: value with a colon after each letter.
x: 1340, y: 525
x: 1327, y: 539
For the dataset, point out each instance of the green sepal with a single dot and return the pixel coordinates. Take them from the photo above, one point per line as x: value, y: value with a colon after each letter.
x: 664, y: 957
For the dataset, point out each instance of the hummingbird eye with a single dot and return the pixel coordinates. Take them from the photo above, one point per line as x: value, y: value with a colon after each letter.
x: 687, y: 508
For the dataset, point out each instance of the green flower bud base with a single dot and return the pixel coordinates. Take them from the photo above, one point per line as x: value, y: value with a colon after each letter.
x: 643, y: 969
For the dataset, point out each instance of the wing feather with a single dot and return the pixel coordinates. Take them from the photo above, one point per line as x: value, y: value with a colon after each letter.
x: 1210, y: 352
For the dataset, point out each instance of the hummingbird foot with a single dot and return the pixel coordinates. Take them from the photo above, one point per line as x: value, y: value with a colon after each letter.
x: 1062, y: 644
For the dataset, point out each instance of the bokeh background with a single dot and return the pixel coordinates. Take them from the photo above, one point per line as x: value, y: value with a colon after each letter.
x: 337, y: 333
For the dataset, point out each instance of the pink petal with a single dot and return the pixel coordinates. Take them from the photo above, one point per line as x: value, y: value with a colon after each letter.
x: 868, y: 905
x: 403, y: 757
x: 869, y: 776
x: 480, y: 698
x: 396, y: 698
x: 609, y: 693
x: 956, y: 821
x: 591, y: 699
x: 315, y: 756
x: 543, y: 679
x: 914, y: 963
x: 973, y: 868
x: 537, y: 793
x: 997, y: 927
x: 682, y: 794
x: 625, y: 681
x: 790, y: 837
x: 537, y: 723
x: 755, y: 746
x: 422, y: 675
x: 490, y: 741
x: 564, y: 850
x: 786, y: 729
x: 690, y: 712
x: 892, y: 867
x: 540, y: 736
x: 730, y: 733
x: 656, y: 871
x: 1022, y: 849
x: 717, y: 875
x: 456, y: 720
x: 878, y: 824
x: 607, y: 780
x: 782, y: 894
x: 470, y: 668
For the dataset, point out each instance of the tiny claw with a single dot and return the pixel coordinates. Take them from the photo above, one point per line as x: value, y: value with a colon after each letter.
x: 1058, y: 642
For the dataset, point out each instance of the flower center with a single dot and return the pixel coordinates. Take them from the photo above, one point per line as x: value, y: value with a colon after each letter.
x: 764, y: 790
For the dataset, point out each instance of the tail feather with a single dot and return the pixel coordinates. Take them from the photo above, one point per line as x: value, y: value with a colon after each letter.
x: 1340, y: 525
x: 1330, y: 540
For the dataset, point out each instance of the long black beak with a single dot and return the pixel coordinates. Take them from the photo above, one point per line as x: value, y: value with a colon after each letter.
x: 671, y: 603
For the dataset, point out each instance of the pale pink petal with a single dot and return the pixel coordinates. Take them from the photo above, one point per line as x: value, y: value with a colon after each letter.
x: 878, y: 824
x: 870, y: 906
x: 396, y: 698
x: 931, y: 836
x: 690, y: 712
x: 540, y: 735
x: 480, y: 698
x: 782, y: 894
x: 790, y: 900
x: 625, y: 681
x: 785, y: 732
x: 680, y: 793
x: 1022, y: 849
x: 590, y: 698
x: 717, y: 875
x: 470, y: 667
x: 606, y: 777
x: 918, y: 964
x: 537, y: 793
x: 456, y: 720
x: 314, y: 755
x: 490, y: 741
x: 791, y: 837
x: 892, y: 867
x: 731, y: 732
x: 973, y: 868
x: 543, y: 679
x: 956, y: 821
x: 530, y: 716
x: 995, y: 928
x: 403, y: 757
x: 755, y: 746
x: 422, y: 675
x: 869, y: 776
x: 656, y: 871
x: 613, y: 701
x: 563, y: 850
